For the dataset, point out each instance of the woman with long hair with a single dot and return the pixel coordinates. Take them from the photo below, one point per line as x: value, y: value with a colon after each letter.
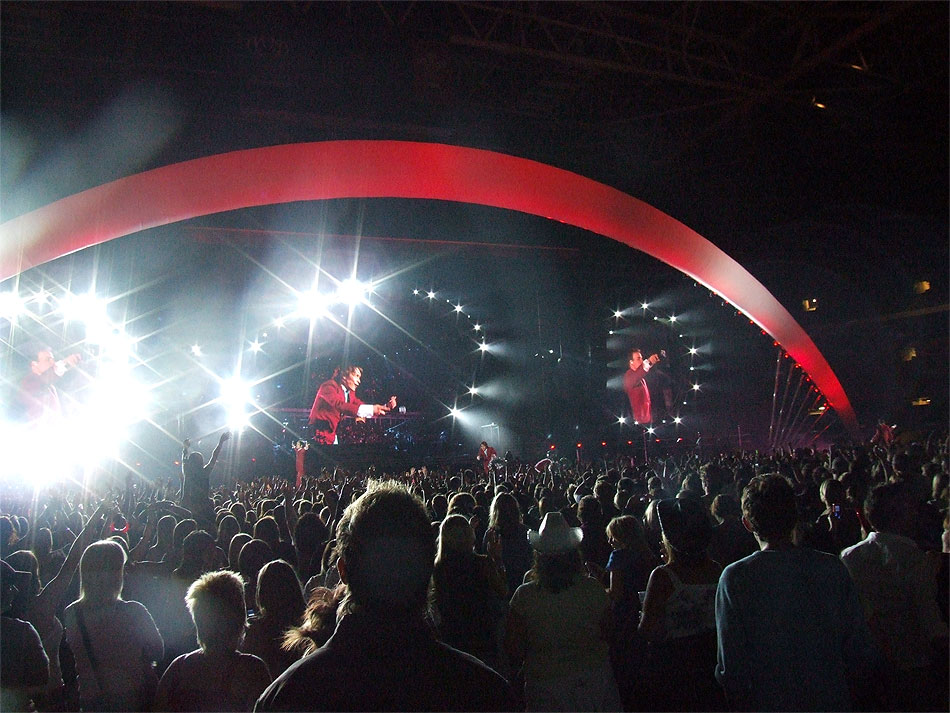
x: 115, y: 642
x: 558, y: 627
x: 280, y: 606
x: 469, y: 591
x: 505, y: 524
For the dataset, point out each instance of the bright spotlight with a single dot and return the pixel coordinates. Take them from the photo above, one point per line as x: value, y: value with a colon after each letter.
x: 477, y: 327
x: 86, y: 308
x: 622, y: 420
x: 353, y: 292
x: 644, y: 305
x: 415, y: 292
x: 196, y: 350
x: 695, y: 387
x: 455, y: 412
x: 458, y: 308
x: 672, y: 317
x: 312, y: 304
x: 618, y: 314
x: 11, y: 305
x: 677, y: 419
x: 256, y: 346
x: 483, y: 347
x: 473, y: 390
x: 279, y: 322
x: 651, y: 430
x: 430, y: 294
x: 693, y: 350
x: 42, y: 297
x: 235, y: 395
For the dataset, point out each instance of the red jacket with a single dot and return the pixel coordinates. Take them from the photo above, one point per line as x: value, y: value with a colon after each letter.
x: 329, y: 406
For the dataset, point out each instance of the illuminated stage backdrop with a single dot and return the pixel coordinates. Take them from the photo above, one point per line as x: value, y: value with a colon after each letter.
x: 398, y: 169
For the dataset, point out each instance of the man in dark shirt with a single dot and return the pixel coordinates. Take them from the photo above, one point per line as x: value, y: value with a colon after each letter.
x: 383, y: 655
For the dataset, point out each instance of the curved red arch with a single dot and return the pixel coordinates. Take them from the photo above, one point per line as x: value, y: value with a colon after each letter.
x: 397, y: 169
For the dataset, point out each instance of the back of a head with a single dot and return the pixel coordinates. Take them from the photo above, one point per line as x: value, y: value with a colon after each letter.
x: 890, y: 508
x: 182, y: 530
x: 462, y: 504
x: 725, y: 507
x: 768, y: 503
x: 216, y: 603
x: 266, y: 529
x: 234, y: 549
x: 505, y: 514
x: 254, y: 555
x: 624, y: 529
x: 100, y: 573
x: 196, y: 550
x: 165, y: 529
x: 310, y: 532
x: 589, y: 510
x: 832, y: 492
x: 278, y: 592
x: 456, y: 536
x: 387, y: 548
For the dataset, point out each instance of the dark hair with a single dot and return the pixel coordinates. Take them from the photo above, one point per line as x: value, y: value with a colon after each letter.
x: 342, y: 371
x: 278, y: 594
x: 768, y: 503
x: 589, y: 510
x: 557, y: 571
x: 887, y: 506
x: 387, y: 546
x: 266, y: 529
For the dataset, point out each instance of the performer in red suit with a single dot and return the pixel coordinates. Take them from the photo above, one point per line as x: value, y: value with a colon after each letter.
x: 485, y: 455
x: 300, y: 454
x: 336, y: 398
x: 634, y: 383
x: 38, y: 395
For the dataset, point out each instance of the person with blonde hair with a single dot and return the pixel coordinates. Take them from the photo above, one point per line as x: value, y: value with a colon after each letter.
x: 216, y: 676
x: 115, y: 642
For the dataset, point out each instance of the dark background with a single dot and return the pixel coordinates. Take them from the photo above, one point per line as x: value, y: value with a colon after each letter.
x: 708, y: 111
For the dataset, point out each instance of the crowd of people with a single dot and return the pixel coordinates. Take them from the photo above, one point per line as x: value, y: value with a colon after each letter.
x: 795, y: 580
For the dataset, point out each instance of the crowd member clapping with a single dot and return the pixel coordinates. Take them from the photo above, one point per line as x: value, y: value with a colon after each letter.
x: 216, y: 677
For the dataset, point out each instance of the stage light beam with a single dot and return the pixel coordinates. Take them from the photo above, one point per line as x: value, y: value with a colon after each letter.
x: 11, y: 305
x: 312, y: 304
x: 353, y: 292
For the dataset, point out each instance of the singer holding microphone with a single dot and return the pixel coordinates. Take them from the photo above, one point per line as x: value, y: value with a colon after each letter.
x: 38, y: 392
x: 336, y: 399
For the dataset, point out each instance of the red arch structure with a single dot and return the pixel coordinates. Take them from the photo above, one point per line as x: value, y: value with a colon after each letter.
x: 399, y: 169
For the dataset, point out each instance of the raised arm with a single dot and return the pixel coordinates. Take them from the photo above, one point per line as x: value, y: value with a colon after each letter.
x: 217, y: 450
x: 56, y: 589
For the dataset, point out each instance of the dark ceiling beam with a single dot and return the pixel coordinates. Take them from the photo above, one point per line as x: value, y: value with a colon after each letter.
x: 590, y: 63
x: 624, y: 44
x: 796, y: 72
